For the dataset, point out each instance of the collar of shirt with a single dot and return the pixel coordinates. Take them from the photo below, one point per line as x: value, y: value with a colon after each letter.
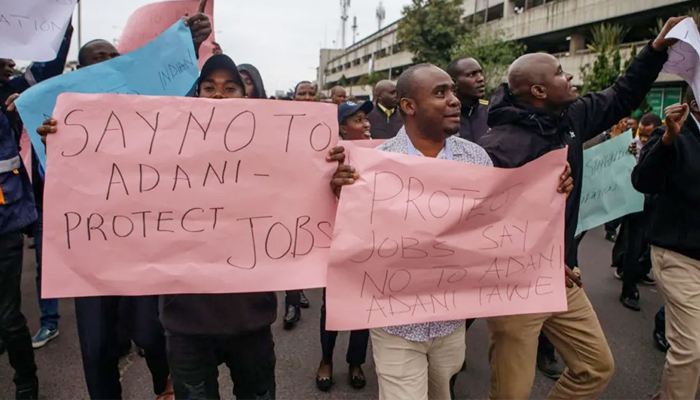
x: 445, y: 153
x: 386, y: 111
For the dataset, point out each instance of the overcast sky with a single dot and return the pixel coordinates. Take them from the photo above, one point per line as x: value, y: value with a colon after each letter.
x: 280, y: 37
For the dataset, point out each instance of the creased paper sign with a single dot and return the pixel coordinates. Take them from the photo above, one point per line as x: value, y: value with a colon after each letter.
x: 419, y: 240
x: 606, y: 191
x: 33, y: 30
x: 166, y: 66
x: 149, y: 21
x: 684, y: 56
x: 165, y: 195
x: 354, y: 144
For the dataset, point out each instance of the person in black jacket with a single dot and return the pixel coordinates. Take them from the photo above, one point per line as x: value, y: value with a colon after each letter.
x: 385, y: 118
x: 538, y: 111
x: 471, y: 91
x: 669, y: 170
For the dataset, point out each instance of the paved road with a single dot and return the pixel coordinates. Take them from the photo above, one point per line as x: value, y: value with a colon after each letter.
x: 638, y: 364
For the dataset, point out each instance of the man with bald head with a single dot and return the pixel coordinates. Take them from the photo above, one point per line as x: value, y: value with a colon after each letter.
x: 338, y: 95
x: 538, y: 111
x: 385, y: 118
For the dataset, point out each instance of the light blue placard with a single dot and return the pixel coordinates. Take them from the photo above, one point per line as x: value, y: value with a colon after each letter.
x: 167, y: 66
x: 607, y: 191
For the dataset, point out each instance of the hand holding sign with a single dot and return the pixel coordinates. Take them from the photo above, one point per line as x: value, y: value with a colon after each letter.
x: 661, y: 43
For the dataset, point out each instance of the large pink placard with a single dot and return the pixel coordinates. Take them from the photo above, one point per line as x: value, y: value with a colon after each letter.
x: 157, y: 195
x: 149, y: 21
x: 419, y: 239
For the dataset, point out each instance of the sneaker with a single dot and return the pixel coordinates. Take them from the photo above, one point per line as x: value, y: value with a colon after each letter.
x: 647, y: 280
x: 44, y: 336
x: 549, y: 365
x: 630, y: 301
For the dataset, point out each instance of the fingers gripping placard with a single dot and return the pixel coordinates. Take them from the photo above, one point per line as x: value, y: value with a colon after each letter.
x: 420, y: 240
x: 155, y: 195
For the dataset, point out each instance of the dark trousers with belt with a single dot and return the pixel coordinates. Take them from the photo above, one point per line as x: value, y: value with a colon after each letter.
x: 98, y: 318
x: 13, y: 325
x: 250, y: 357
x: 357, y: 349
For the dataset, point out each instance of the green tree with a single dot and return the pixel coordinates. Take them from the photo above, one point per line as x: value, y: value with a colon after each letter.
x: 493, y: 52
x: 372, y: 78
x: 430, y: 29
x: 608, y: 64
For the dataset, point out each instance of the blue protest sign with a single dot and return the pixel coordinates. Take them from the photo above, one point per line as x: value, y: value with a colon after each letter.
x: 167, y: 66
x: 607, y: 191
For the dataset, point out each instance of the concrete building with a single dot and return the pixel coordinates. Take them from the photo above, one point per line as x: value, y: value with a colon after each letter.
x: 559, y: 27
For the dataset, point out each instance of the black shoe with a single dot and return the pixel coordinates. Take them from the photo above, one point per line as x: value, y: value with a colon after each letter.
x: 291, y: 317
x: 324, y: 383
x: 28, y: 392
x: 357, y: 380
x: 304, y: 302
x: 630, y: 300
x: 611, y: 236
x: 549, y: 365
x: 2, y: 347
x: 647, y: 280
x: 660, y: 341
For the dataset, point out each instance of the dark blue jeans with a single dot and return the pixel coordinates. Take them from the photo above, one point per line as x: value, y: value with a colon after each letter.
x: 48, y: 307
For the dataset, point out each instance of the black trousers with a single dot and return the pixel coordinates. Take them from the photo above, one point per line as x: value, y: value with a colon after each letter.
x: 13, y: 325
x: 618, y: 252
x: 357, y: 349
x: 98, y: 318
x: 250, y: 357
x: 292, y: 298
x: 633, y: 270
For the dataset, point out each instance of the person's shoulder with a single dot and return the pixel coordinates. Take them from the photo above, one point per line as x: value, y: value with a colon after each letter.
x: 466, y: 151
x: 397, y: 144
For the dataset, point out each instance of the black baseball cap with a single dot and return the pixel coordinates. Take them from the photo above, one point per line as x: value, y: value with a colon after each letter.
x: 349, y: 109
x: 217, y: 62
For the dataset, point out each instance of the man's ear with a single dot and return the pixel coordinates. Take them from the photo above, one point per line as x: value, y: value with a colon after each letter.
x: 694, y: 106
x: 343, y: 130
x: 539, y: 92
x: 408, y: 106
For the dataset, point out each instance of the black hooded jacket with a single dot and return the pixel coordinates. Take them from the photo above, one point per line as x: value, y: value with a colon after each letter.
x: 259, y: 90
x: 520, y: 134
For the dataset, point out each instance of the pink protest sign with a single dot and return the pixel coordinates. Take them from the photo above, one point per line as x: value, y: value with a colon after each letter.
x: 157, y: 195
x: 418, y: 240
x: 149, y: 21
x: 354, y: 144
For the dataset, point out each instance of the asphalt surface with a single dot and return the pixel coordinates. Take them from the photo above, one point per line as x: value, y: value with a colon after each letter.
x: 629, y: 333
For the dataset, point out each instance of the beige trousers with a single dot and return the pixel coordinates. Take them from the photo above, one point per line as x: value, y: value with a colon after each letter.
x: 678, y: 277
x: 577, y: 336
x: 409, y: 370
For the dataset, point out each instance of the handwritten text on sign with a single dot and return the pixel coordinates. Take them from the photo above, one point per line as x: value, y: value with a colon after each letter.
x: 159, y: 195
x: 606, y: 189
x: 33, y: 30
x: 419, y: 240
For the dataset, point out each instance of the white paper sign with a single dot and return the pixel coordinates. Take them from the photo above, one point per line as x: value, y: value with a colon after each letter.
x: 32, y: 30
x: 684, y: 56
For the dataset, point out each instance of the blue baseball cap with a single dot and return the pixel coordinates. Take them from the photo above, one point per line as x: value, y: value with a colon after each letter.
x: 349, y: 109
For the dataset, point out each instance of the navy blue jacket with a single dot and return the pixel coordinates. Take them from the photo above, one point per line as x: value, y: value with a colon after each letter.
x: 17, y: 207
